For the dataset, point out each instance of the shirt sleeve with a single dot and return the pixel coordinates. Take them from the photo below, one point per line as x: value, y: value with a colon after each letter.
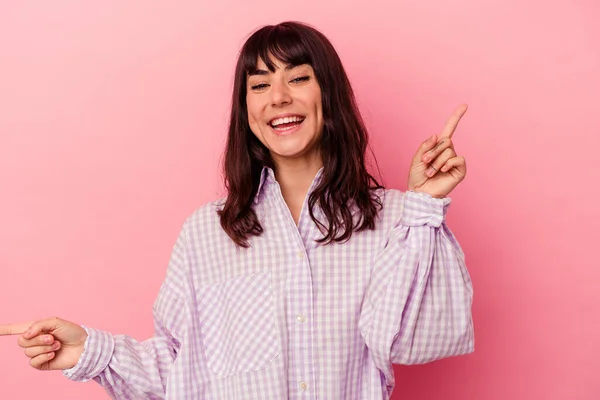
x: 417, y: 307
x: 131, y: 369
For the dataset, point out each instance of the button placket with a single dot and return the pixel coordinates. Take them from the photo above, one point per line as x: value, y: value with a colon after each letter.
x: 300, y: 317
x: 300, y: 313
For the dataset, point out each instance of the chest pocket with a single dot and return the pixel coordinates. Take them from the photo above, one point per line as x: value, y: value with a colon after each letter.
x: 238, y: 324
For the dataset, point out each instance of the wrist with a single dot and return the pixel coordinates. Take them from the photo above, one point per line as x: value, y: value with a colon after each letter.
x: 435, y: 196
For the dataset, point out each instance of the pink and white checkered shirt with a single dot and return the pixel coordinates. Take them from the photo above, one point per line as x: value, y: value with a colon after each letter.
x: 289, y: 318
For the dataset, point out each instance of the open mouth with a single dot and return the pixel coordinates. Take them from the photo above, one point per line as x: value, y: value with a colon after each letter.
x: 287, y: 123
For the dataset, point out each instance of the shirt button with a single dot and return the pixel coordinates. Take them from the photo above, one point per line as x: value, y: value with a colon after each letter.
x: 301, y: 318
x: 301, y: 255
x: 303, y: 385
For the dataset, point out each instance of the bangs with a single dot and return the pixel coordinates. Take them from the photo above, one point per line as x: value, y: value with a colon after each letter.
x: 283, y: 43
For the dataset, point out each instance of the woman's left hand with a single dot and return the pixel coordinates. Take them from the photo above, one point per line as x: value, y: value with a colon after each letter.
x: 435, y: 168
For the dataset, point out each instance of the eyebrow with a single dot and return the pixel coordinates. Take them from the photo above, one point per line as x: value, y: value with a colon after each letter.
x: 264, y: 72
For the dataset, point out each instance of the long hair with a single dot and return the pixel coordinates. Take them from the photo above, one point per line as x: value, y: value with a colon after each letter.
x: 345, y: 181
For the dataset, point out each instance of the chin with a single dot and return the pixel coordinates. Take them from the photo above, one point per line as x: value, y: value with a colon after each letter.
x: 288, y: 153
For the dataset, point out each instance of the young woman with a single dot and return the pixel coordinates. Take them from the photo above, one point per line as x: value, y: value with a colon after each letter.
x: 309, y: 280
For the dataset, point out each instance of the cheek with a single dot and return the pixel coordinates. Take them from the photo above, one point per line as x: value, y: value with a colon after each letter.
x: 253, y: 108
x: 318, y: 101
x: 319, y: 109
x: 252, y: 118
x: 249, y: 110
x: 254, y: 125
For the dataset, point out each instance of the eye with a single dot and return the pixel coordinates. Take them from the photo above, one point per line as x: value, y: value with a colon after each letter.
x: 301, y: 79
x: 259, y: 86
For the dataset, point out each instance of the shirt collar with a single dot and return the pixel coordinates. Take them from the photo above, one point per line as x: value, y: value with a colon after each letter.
x: 266, y: 174
x: 267, y: 177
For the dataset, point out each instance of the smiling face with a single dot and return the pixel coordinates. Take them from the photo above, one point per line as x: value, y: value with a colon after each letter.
x: 285, y: 110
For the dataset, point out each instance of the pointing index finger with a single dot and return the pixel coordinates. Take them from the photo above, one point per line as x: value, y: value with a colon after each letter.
x: 453, y: 121
x: 14, y: 329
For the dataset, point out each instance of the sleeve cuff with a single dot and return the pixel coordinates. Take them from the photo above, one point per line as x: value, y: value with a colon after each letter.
x: 98, y: 350
x: 422, y: 209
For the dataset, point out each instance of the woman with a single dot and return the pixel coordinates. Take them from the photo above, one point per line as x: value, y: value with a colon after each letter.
x: 309, y: 280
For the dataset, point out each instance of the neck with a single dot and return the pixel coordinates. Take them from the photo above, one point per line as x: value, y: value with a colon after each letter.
x: 295, y: 177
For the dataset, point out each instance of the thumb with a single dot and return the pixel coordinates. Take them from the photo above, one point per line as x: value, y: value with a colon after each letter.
x: 44, y: 325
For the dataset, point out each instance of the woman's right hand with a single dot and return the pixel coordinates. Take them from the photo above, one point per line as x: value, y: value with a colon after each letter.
x: 51, y: 344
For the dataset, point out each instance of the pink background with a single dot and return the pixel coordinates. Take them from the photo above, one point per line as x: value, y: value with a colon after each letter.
x: 112, y: 123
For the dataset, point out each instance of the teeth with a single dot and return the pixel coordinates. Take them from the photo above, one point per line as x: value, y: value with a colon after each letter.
x: 285, y: 120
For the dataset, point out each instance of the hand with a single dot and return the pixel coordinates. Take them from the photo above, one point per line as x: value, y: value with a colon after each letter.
x: 435, y: 168
x: 51, y: 344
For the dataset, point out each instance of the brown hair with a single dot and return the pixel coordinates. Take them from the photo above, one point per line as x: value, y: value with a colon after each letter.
x: 345, y: 180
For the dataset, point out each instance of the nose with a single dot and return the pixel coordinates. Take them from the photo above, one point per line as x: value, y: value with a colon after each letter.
x: 280, y: 94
